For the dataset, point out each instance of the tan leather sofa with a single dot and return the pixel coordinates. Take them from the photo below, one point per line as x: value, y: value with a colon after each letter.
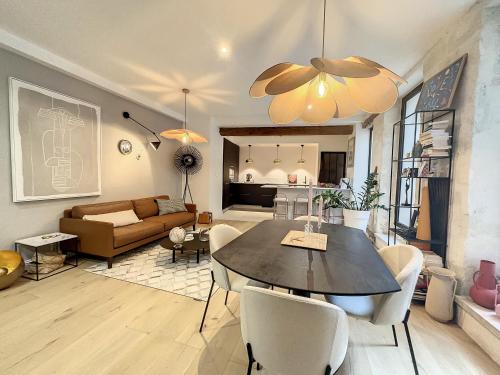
x: 101, y: 239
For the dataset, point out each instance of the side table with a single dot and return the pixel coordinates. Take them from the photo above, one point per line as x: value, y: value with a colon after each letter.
x: 35, y: 243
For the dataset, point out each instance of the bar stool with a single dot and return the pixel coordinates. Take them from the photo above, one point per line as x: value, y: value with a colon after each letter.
x: 299, y: 202
x: 280, y: 200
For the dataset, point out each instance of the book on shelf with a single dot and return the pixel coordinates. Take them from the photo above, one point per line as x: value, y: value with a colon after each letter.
x: 435, y: 152
x: 443, y: 124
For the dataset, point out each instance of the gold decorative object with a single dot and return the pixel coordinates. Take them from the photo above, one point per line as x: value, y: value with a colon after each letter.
x: 184, y: 135
x: 11, y: 267
x: 327, y: 89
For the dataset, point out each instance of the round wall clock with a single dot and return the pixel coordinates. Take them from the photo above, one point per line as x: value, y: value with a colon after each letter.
x: 125, y: 147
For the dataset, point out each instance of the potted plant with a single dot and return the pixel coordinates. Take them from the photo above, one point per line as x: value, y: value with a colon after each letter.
x: 333, y: 201
x: 357, y: 209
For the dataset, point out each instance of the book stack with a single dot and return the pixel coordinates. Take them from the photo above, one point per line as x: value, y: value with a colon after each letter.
x: 434, y: 140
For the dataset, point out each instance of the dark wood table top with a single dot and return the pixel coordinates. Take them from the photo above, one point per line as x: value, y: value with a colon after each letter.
x: 349, y: 266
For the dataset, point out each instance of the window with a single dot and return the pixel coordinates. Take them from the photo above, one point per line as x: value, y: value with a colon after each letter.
x: 332, y: 167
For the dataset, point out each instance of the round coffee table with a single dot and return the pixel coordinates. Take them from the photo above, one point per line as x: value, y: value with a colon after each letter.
x: 194, y: 245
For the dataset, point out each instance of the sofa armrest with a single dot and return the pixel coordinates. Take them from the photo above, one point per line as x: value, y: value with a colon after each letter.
x: 191, y: 207
x: 96, y: 237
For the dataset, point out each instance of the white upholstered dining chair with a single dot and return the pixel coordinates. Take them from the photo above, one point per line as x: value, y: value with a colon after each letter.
x: 405, y: 263
x: 221, y: 235
x: 314, y: 219
x: 292, y: 335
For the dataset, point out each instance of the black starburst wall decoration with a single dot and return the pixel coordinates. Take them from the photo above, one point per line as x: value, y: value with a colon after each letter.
x: 188, y: 160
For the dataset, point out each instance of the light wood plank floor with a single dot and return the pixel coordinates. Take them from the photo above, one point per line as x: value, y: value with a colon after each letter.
x: 81, y: 323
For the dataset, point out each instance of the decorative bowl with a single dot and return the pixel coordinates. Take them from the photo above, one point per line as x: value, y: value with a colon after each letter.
x: 177, y: 236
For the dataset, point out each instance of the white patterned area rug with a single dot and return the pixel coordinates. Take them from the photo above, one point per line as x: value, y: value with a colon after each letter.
x: 152, y: 266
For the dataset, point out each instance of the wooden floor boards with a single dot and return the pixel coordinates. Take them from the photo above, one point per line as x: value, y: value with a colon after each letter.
x: 81, y: 323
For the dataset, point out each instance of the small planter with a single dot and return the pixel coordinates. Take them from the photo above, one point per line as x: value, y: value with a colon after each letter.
x: 356, y: 219
x: 335, y: 215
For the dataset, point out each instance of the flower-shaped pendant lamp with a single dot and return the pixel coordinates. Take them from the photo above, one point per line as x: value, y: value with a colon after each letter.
x: 184, y: 135
x: 327, y: 89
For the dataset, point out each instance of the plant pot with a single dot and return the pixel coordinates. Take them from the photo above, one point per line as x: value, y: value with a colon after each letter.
x: 336, y: 211
x: 356, y: 219
x: 335, y: 215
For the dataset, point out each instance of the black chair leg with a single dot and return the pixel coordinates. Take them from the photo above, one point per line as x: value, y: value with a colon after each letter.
x: 405, y: 323
x: 328, y: 370
x: 225, y: 300
x: 259, y: 366
x: 251, y: 359
x: 395, y: 336
x: 208, y: 301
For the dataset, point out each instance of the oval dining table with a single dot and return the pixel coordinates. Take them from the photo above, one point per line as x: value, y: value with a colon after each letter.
x: 350, y: 266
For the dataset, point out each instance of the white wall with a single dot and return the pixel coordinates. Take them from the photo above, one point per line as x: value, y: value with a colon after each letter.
x: 359, y: 171
x: 264, y: 170
x: 123, y: 177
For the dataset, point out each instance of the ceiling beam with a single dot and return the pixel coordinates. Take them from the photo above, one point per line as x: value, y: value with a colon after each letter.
x: 286, y: 130
x: 369, y: 121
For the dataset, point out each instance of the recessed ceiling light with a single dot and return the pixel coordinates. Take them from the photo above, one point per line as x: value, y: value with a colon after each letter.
x: 224, y: 51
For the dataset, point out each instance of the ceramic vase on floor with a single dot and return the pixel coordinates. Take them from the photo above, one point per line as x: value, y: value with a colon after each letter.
x: 484, y: 290
x: 441, y: 294
x: 497, y: 301
x: 356, y: 219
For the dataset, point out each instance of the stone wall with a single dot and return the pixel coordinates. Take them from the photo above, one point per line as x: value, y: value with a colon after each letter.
x: 474, y: 226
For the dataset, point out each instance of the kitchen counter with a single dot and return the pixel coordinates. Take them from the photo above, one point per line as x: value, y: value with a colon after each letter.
x: 300, y: 187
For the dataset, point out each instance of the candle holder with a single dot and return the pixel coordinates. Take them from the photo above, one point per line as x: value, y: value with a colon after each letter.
x: 308, y: 229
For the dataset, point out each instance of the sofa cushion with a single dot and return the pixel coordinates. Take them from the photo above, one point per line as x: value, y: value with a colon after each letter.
x: 172, y: 220
x: 78, y: 212
x: 135, y: 232
x: 170, y: 206
x: 147, y: 207
x: 118, y: 219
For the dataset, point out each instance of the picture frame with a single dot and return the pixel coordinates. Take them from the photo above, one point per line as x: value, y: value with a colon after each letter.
x: 55, y: 144
x: 351, y: 142
x: 439, y: 90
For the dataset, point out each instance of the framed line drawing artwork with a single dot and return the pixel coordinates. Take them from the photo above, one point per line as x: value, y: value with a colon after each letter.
x: 55, y: 144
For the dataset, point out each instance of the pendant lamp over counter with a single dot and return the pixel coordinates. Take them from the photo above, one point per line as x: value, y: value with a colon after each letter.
x: 301, y: 159
x: 327, y: 89
x: 277, y: 160
x: 249, y: 160
x: 184, y: 135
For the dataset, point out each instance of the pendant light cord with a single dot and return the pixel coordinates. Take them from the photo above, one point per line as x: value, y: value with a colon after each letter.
x: 324, y: 25
x: 185, y: 110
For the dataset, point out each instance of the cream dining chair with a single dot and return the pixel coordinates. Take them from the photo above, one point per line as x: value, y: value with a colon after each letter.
x: 292, y: 335
x: 405, y: 262
x: 220, y: 235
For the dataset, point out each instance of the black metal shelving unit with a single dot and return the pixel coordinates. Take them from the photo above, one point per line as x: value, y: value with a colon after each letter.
x: 406, y: 205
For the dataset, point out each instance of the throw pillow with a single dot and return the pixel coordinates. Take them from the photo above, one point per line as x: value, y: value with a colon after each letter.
x: 119, y: 218
x: 170, y: 206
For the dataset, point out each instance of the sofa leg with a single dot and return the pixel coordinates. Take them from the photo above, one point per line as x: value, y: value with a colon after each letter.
x: 194, y: 226
x: 110, y: 262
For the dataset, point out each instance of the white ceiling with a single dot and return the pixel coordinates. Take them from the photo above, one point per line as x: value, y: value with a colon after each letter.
x: 157, y: 47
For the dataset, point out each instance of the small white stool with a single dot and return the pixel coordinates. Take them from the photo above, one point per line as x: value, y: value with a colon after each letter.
x: 280, y: 201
